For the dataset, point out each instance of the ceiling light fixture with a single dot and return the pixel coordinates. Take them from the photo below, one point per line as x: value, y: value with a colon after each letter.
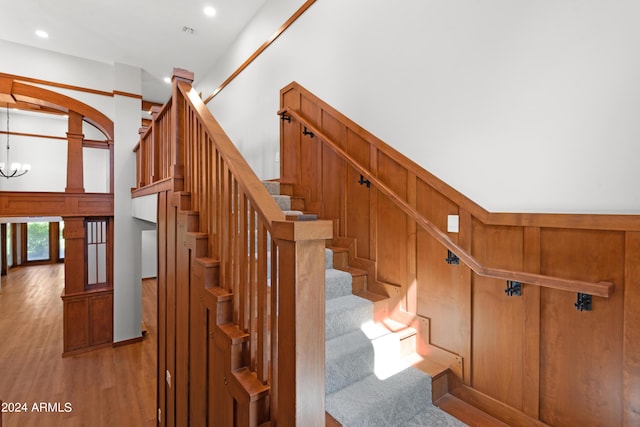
x: 209, y: 11
x: 13, y: 170
x: 42, y: 34
x: 167, y: 79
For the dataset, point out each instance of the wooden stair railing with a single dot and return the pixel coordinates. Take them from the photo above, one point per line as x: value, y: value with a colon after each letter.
x: 269, y: 274
x: 601, y: 289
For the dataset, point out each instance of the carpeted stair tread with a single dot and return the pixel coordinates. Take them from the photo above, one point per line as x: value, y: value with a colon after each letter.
x: 345, y: 314
x: 338, y: 283
x: 272, y: 187
x: 284, y: 202
x: 433, y: 416
x: 375, y: 402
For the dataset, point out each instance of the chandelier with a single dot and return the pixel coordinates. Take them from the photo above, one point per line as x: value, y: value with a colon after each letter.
x: 8, y: 169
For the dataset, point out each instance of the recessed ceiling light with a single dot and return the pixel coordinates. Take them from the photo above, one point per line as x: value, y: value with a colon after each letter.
x: 167, y: 79
x: 209, y: 11
x: 42, y: 34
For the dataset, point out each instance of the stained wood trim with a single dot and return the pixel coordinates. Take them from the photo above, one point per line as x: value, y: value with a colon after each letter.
x: 55, y: 84
x: 602, y: 289
x: 17, y: 203
x: 127, y: 94
x: 39, y: 96
x: 612, y: 222
x: 128, y: 342
x: 262, y: 48
x: 166, y: 184
x: 92, y: 143
x: 238, y: 166
x: 495, y: 408
x: 33, y: 135
x: 85, y: 142
x: 69, y: 87
x: 631, y: 343
x: 531, y: 326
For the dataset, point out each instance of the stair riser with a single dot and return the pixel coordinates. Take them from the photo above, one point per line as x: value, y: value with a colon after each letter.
x: 408, y: 346
x: 341, y: 259
x: 297, y: 204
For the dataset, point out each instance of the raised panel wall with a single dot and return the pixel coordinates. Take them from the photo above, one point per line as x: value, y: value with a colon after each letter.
x: 525, y: 359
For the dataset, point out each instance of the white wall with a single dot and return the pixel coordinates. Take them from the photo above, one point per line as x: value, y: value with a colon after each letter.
x: 149, y: 253
x: 47, y: 157
x: 127, y: 290
x: 522, y: 106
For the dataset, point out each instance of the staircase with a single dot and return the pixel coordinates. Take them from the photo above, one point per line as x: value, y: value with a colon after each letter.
x: 369, y: 379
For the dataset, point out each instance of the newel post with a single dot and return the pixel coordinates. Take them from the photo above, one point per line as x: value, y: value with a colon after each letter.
x: 299, y: 359
x: 177, y: 122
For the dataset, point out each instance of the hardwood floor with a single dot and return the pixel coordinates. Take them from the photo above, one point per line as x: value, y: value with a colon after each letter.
x: 108, y: 387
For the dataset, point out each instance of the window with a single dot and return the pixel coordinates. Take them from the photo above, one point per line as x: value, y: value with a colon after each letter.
x: 37, y: 241
x: 61, y: 240
x: 96, y: 252
x: 9, y: 246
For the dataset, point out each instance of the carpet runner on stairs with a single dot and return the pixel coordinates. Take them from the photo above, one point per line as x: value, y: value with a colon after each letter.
x: 366, y: 384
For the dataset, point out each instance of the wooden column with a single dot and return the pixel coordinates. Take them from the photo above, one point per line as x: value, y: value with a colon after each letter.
x: 88, y: 313
x: 75, y: 183
x: 141, y: 160
x: 298, y: 392
x: 156, y: 168
x: 74, y: 260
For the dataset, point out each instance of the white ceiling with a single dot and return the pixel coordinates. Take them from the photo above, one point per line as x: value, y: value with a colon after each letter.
x: 142, y: 33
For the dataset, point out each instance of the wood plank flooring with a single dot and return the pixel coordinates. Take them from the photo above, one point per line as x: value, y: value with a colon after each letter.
x: 108, y: 387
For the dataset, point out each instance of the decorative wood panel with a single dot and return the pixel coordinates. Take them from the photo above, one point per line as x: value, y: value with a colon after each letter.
x: 581, y: 352
x: 497, y: 322
x: 101, y: 320
x: 76, y: 324
x: 88, y: 320
x: 527, y: 359
x: 391, y: 254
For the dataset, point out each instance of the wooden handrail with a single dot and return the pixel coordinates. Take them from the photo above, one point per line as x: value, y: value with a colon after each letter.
x: 601, y: 289
x: 238, y: 166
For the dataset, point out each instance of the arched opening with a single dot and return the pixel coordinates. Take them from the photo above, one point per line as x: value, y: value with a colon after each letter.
x: 80, y: 143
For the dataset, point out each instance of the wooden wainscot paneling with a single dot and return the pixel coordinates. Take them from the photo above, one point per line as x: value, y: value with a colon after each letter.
x: 631, y: 416
x: 581, y: 351
x: 527, y: 360
x: 360, y: 198
x: 498, y: 339
x: 443, y: 289
x: 392, y: 230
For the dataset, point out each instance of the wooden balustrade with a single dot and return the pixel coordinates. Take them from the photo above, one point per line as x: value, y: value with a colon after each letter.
x: 263, y: 305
